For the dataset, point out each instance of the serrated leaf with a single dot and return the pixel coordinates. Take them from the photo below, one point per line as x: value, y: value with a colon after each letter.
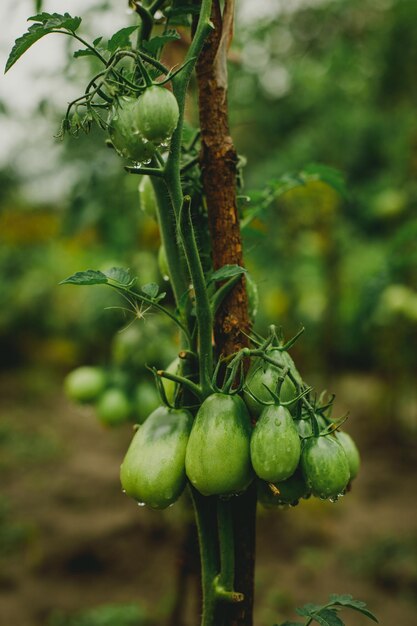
x: 328, y: 617
x: 88, y: 277
x: 83, y: 53
x: 225, y: 272
x: 23, y: 43
x: 45, y: 23
x: 151, y: 290
x: 121, y: 39
x: 153, y: 45
x: 347, y: 600
x: 308, y: 609
x: 329, y: 175
x: 120, y: 275
x: 56, y: 20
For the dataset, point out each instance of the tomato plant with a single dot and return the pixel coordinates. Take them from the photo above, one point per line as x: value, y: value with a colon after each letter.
x: 235, y: 420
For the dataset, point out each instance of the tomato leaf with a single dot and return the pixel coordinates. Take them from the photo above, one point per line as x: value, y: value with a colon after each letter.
x: 225, y: 272
x: 153, y: 45
x: 85, y: 52
x: 45, y: 24
x: 121, y: 39
x: 151, y: 290
x: 88, y: 277
x: 56, y: 20
x: 327, y: 617
x: 120, y: 276
x: 309, y: 609
x: 347, y: 600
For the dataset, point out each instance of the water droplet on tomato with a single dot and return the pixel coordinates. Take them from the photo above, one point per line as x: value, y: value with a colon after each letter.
x: 141, y: 504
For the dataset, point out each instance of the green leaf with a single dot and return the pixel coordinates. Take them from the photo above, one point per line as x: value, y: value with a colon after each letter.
x: 120, y: 276
x: 309, y: 609
x: 121, y: 39
x: 56, y: 20
x: 85, y: 52
x: 332, y: 177
x: 153, y: 45
x: 327, y: 617
x: 23, y: 43
x: 151, y: 290
x: 89, y: 277
x: 45, y: 23
x: 225, y: 272
x: 347, y: 600
x: 97, y: 41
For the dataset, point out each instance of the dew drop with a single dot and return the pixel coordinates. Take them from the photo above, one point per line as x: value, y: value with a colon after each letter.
x: 141, y: 504
x: 123, y: 490
x: 334, y: 499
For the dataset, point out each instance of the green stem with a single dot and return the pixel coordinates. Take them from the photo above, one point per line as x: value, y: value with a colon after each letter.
x: 167, y: 227
x: 195, y: 389
x: 202, y: 302
x: 205, y: 514
x: 226, y: 543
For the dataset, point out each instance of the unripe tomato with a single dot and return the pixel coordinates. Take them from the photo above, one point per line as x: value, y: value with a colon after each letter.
x: 146, y: 399
x: 147, y: 197
x: 261, y: 374
x: 157, y: 114
x: 85, y: 384
x: 218, y: 453
x: 286, y: 492
x: 351, y: 451
x: 275, y: 445
x: 325, y: 466
x: 113, y: 407
x: 125, y: 135
x: 153, y: 470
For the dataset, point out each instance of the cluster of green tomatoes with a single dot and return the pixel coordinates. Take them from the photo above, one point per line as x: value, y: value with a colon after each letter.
x: 123, y: 389
x: 270, y: 430
x: 138, y: 126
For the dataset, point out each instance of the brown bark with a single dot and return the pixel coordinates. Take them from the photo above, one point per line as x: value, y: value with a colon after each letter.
x: 218, y: 164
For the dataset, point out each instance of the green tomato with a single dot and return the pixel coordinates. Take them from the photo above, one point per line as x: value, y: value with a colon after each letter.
x: 275, y: 445
x: 146, y: 400
x: 286, y: 492
x: 351, y: 451
x: 125, y: 135
x: 325, y: 466
x: 147, y: 197
x: 113, y: 407
x: 85, y: 384
x: 157, y: 114
x: 218, y: 452
x: 261, y: 374
x: 153, y: 470
x: 304, y: 428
